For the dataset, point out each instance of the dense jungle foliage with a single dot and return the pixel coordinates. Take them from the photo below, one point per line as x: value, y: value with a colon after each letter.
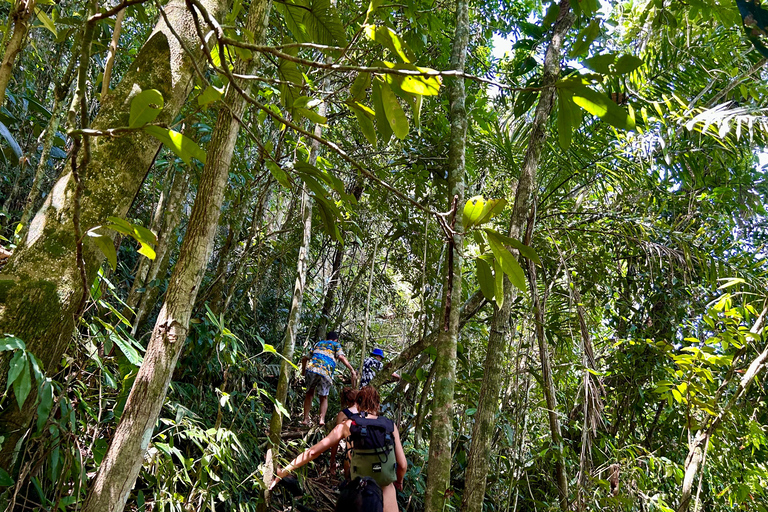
x: 550, y: 215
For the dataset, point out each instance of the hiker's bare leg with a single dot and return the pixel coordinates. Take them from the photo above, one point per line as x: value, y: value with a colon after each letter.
x: 308, y: 405
x: 323, y: 408
x: 390, y: 498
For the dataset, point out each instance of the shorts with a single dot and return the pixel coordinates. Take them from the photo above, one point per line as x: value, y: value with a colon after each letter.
x: 315, y: 380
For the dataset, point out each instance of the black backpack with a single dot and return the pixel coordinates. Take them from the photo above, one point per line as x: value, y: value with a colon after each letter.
x: 362, y: 494
x: 372, y: 453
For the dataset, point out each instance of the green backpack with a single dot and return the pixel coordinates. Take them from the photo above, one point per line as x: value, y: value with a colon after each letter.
x: 373, y: 449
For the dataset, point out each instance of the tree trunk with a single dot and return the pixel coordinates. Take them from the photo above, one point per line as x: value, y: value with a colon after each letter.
x: 289, y: 340
x: 41, y: 287
x: 439, y: 465
x: 143, y: 302
x: 477, y: 466
x: 20, y: 15
x: 118, y: 471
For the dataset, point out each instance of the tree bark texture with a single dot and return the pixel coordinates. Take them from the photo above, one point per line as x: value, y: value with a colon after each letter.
x: 118, y: 471
x: 439, y: 463
x: 20, y: 15
x: 289, y: 339
x: 41, y: 287
x: 482, y: 433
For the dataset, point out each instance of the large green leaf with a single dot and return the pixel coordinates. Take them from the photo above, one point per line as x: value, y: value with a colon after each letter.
x: 389, y: 39
x: 46, y: 403
x: 18, y: 364
x: 394, y: 112
x: 598, y: 104
x: 323, y: 24
x: 585, y: 38
x: 293, y: 14
x: 498, y: 281
x: 184, y: 147
x: 365, y: 117
x: 11, y: 343
x: 492, y: 208
x: 289, y: 74
x: 565, y: 121
x: 23, y: 384
x: 382, y: 123
x: 6, y: 134
x: 145, y: 107
x: 473, y: 209
x: 526, y: 251
x: 485, y: 277
x: 106, y: 246
x: 508, y: 262
x: 416, y: 84
x: 359, y: 86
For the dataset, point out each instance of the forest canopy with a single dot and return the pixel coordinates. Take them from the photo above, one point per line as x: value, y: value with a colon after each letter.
x: 546, y: 219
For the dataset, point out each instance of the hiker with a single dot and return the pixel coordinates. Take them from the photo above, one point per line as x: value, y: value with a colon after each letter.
x: 319, y: 372
x: 348, y: 396
x: 376, y: 450
x: 373, y: 365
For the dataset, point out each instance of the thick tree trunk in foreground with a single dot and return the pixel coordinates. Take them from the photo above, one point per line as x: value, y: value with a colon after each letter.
x: 41, y: 287
x: 439, y: 465
x: 482, y: 433
x: 120, y: 467
x: 20, y: 15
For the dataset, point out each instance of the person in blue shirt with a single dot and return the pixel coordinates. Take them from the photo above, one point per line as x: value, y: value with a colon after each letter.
x: 318, y: 367
x: 373, y: 365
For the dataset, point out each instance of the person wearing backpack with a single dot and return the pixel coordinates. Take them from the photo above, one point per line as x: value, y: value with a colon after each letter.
x: 347, y: 396
x: 376, y: 450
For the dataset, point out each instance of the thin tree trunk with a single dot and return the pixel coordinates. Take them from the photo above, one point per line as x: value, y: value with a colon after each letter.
x: 421, y: 409
x: 143, y: 302
x: 41, y: 287
x: 118, y: 471
x: 111, y: 53
x: 439, y: 464
x: 20, y: 15
x: 330, y: 294
x: 477, y: 466
x: 289, y: 340
x: 367, y: 310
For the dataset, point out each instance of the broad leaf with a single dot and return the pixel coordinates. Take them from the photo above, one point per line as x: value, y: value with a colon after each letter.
x: 627, y: 64
x: 601, y: 63
x: 323, y: 24
x: 46, y: 21
x: 106, y: 246
x: 46, y: 404
x: 145, y: 107
x: 280, y: 175
x: 209, y: 95
x: 289, y: 73
x: 359, y: 86
x: 365, y: 117
x: 492, y: 208
x: 600, y: 105
x: 382, y: 123
x: 126, y: 348
x: 6, y: 134
x: 526, y: 251
x: 184, y: 147
x: 473, y: 210
x: 389, y: 39
x: 394, y: 112
x: 565, y: 121
x: 508, y: 262
x: 413, y: 84
x: 18, y: 364
x: 11, y: 343
x: 585, y: 38
x: 23, y: 384
x: 293, y: 14
x: 485, y: 277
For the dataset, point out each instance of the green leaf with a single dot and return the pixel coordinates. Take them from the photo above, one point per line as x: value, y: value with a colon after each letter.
x: 17, y: 365
x: 209, y: 95
x: 473, y: 210
x: 147, y: 251
x: 330, y: 223
x: 394, y: 112
x: 601, y: 63
x: 280, y: 175
x: 23, y: 384
x: 11, y: 343
x: 382, y: 124
x: 627, y: 64
x: 311, y: 115
x: 365, y: 117
x: 106, y: 246
x: 585, y: 38
x: 6, y: 134
x: 184, y: 147
x: 46, y: 20
x: 485, y: 277
x: 413, y: 84
x: 143, y: 235
x: 565, y: 121
x: 323, y: 24
x: 126, y: 348
x: 508, y: 262
x: 389, y: 39
x: 293, y: 14
x: 492, y: 208
x: 359, y: 86
x: 498, y: 277
x: 601, y: 106
x: 46, y: 403
x: 526, y: 251
x: 375, y: 4
x: 5, y: 479
x: 289, y: 73
x: 145, y: 107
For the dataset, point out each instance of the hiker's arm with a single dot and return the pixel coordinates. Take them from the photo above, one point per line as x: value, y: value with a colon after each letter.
x: 351, y: 370
x: 340, y: 418
x: 395, y: 375
x: 336, y: 435
x: 402, y: 462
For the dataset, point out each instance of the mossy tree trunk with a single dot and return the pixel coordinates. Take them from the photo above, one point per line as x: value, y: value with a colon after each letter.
x: 121, y: 465
x: 20, y: 15
x: 482, y: 433
x: 41, y: 287
x: 439, y: 465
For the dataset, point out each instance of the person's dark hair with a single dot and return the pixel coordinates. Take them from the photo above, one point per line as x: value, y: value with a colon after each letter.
x: 333, y: 335
x: 348, y: 396
x: 368, y: 400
